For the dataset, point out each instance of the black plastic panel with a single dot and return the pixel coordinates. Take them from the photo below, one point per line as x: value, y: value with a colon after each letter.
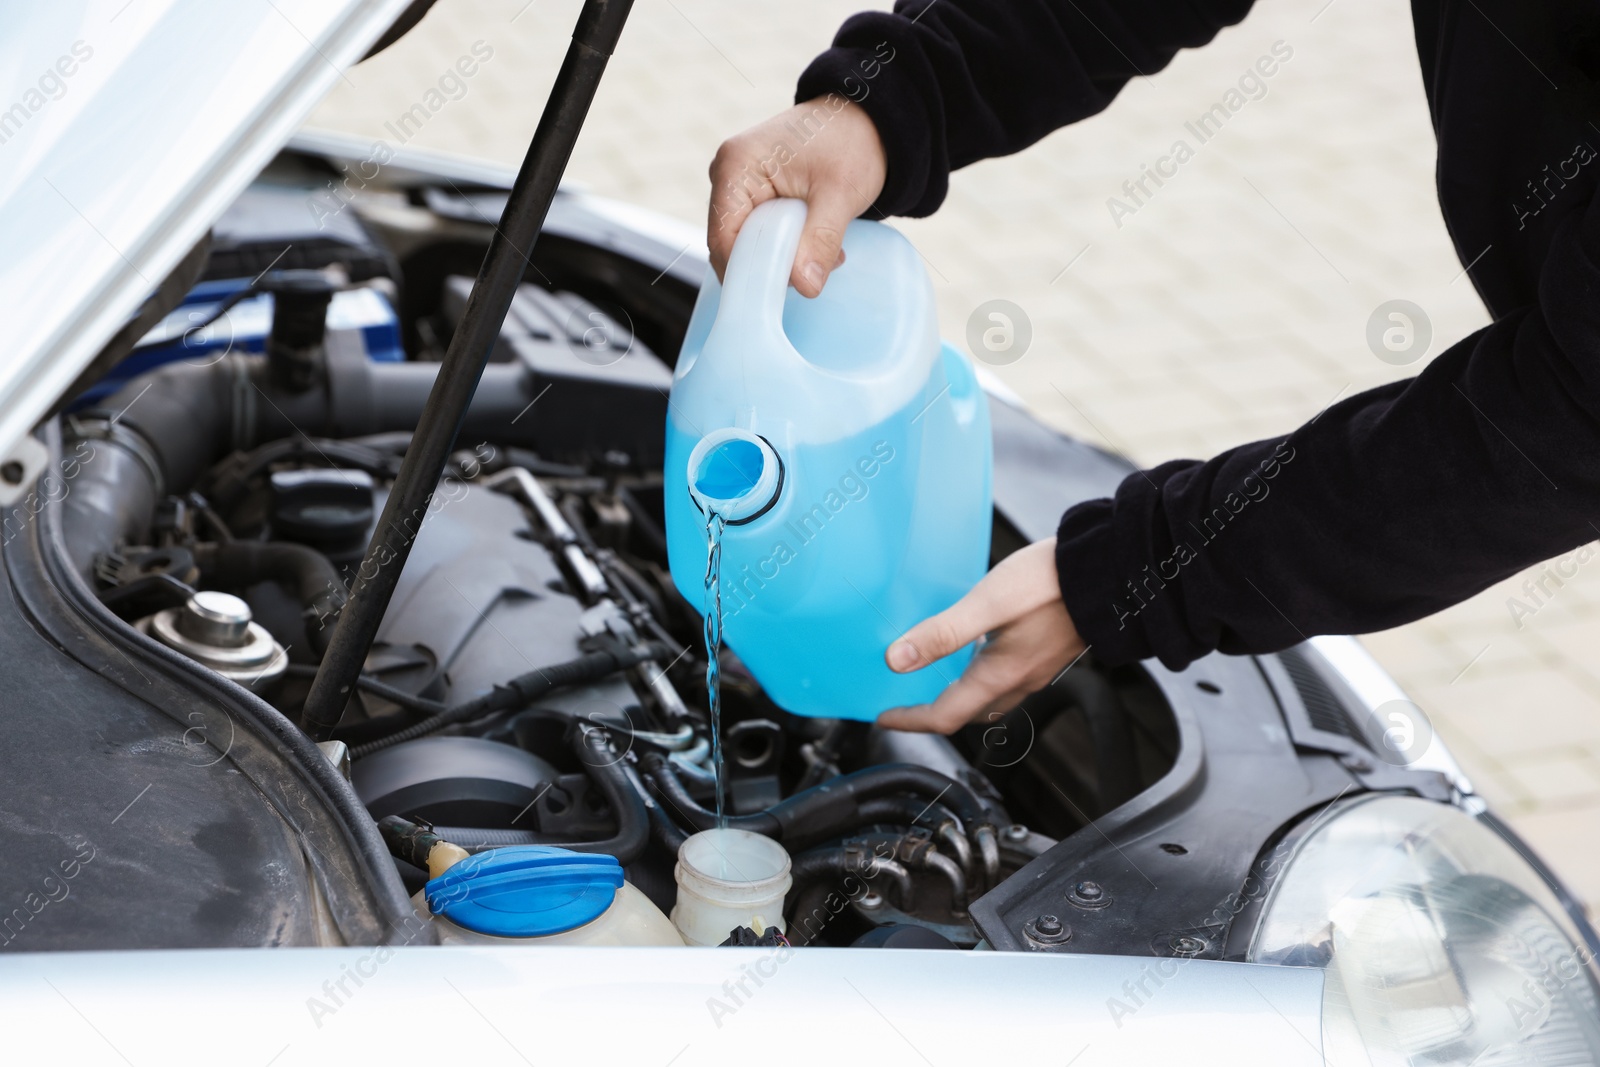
x: 147, y: 803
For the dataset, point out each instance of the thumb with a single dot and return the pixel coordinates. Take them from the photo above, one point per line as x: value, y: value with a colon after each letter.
x: 936, y: 637
x: 1021, y: 582
x: 828, y: 211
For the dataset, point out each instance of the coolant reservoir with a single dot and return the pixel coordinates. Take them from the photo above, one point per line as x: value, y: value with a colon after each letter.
x: 847, y: 452
x: 539, y: 894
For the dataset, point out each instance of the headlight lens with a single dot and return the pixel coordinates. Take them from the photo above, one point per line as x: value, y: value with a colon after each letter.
x: 1441, y: 944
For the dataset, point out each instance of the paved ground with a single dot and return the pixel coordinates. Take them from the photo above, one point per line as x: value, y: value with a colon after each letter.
x: 1231, y: 305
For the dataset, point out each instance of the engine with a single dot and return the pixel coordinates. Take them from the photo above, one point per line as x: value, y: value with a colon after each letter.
x: 537, y: 678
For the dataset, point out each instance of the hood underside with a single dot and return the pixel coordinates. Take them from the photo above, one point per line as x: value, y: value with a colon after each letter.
x: 125, y: 131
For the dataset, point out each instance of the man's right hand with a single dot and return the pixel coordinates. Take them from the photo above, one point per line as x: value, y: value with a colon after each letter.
x: 825, y: 152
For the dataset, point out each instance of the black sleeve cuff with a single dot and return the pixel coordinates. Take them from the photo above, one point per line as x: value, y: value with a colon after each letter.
x: 875, y: 64
x: 1092, y: 588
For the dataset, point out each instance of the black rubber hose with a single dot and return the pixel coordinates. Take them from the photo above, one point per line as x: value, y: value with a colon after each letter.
x: 676, y: 801
x: 829, y: 809
x: 606, y: 770
x: 663, y: 829
x: 920, y: 853
x: 307, y: 573
x: 824, y: 872
x: 904, y: 811
x: 522, y: 691
x: 408, y: 841
x: 409, y: 701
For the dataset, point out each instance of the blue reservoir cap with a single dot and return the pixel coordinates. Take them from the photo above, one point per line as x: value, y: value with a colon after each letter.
x: 525, y: 890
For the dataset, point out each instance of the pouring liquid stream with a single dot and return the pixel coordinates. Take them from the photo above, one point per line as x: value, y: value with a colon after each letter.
x: 713, y: 636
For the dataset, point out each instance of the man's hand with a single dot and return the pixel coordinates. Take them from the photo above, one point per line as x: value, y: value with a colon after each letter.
x: 825, y: 152
x: 1031, y: 639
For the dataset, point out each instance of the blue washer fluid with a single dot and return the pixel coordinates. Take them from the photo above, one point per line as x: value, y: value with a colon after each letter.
x: 847, y: 451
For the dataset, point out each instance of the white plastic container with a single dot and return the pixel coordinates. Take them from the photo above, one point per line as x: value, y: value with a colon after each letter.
x: 728, y: 879
x: 848, y: 453
x: 630, y: 921
x: 541, y: 895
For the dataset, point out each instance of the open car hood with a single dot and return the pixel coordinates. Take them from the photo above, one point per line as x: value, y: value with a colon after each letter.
x: 125, y: 131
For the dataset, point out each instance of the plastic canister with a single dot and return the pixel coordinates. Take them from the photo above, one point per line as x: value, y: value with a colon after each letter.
x: 728, y: 879
x: 848, y: 453
x: 543, y: 895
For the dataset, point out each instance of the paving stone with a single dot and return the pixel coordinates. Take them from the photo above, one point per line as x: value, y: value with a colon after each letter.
x: 1564, y: 837
x: 1558, y: 778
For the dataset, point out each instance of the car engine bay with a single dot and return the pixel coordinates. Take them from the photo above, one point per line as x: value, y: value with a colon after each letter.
x: 538, y: 679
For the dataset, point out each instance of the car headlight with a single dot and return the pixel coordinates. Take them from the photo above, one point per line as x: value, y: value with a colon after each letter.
x: 1441, y: 944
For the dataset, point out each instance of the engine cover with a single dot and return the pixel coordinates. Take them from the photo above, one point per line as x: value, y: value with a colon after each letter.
x: 482, y: 601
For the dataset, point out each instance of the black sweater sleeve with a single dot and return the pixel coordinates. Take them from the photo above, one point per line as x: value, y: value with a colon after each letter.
x: 1396, y: 502
x: 950, y: 82
x: 1389, y: 506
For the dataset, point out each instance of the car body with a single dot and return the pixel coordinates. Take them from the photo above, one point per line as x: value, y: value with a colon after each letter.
x: 1191, y: 852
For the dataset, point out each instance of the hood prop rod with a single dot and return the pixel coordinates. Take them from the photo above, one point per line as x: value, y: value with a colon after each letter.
x: 593, y: 39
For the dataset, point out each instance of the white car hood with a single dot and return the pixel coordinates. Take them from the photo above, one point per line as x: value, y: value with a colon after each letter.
x: 126, y: 128
x: 651, y: 1007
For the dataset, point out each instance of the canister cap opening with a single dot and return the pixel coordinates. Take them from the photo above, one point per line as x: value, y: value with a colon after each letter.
x: 734, y: 473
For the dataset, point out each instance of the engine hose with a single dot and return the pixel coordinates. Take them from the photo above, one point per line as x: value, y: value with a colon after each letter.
x: 409, y: 701
x: 825, y: 873
x: 609, y: 774
x: 904, y: 811
x: 919, y: 852
x: 676, y: 801
x: 419, y: 845
x: 663, y: 829
x: 835, y: 806
x: 311, y: 576
x: 665, y: 832
x: 521, y: 691
x: 988, y: 843
x: 909, y: 811
x: 951, y: 872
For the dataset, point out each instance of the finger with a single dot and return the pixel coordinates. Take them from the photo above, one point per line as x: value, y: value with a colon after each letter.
x: 950, y: 712
x: 1021, y: 582
x: 986, y: 686
x: 737, y: 186
x: 829, y: 210
x: 953, y: 628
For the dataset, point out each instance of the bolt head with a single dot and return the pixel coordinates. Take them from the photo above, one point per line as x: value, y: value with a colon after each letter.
x: 1016, y: 832
x: 1089, y: 890
x: 1185, y: 945
x: 871, y: 900
x: 1048, y: 925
